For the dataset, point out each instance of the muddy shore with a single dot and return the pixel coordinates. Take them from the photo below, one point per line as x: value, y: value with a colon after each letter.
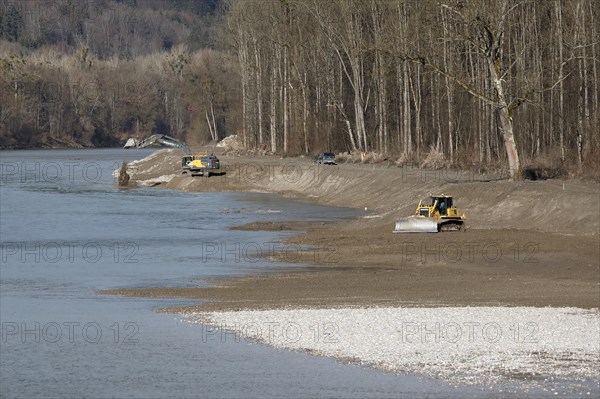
x: 527, y: 243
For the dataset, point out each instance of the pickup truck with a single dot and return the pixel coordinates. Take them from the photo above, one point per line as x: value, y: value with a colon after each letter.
x: 200, y: 164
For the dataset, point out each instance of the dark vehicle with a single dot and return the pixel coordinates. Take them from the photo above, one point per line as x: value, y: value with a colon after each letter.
x: 326, y: 158
x: 211, y: 163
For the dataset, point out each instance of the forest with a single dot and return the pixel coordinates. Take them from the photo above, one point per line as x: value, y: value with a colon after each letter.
x: 482, y: 84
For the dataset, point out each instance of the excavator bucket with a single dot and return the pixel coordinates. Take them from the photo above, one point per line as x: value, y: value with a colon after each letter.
x: 416, y: 224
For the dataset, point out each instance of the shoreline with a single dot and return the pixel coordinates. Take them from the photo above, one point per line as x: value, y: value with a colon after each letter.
x: 416, y: 274
x: 359, y: 262
x: 522, y: 269
x: 392, y: 191
x: 476, y: 346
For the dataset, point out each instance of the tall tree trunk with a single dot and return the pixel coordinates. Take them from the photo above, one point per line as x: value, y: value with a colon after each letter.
x: 400, y: 110
x: 582, y: 103
x: 480, y: 111
x: 258, y: 78
x: 580, y: 116
x: 243, y: 60
x: 561, y: 111
x: 210, y: 129
x: 449, y: 92
x: 416, y: 96
x: 285, y: 100
x: 305, y: 113
x: 275, y: 69
x: 381, y: 95
x: 340, y: 106
x: 596, y: 88
x: 407, y: 112
x: 540, y: 120
x: 437, y: 124
x: 359, y: 111
x: 506, y: 122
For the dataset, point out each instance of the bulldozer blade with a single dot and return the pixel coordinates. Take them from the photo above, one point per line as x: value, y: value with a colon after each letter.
x: 416, y: 225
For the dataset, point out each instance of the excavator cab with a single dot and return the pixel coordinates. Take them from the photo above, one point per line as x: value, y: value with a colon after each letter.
x: 185, y: 160
x: 199, y: 164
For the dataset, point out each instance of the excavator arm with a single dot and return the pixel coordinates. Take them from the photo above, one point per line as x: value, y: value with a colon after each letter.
x: 161, y: 139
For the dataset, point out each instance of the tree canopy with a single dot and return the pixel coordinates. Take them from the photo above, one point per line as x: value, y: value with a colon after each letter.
x: 479, y: 83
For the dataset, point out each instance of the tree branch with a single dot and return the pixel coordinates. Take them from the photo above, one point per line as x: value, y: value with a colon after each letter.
x: 465, y: 85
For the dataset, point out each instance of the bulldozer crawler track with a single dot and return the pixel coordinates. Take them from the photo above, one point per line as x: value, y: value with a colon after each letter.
x: 450, y: 225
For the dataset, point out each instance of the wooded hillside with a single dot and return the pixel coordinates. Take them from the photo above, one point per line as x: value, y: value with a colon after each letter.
x: 472, y: 83
x: 98, y: 72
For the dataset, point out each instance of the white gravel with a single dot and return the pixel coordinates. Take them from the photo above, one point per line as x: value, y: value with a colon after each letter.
x: 470, y: 345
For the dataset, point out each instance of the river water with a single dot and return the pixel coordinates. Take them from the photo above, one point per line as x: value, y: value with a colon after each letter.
x: 66, y: 231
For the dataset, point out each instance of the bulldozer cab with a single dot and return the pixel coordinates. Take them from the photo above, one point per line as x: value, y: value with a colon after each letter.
x: 441, y: 204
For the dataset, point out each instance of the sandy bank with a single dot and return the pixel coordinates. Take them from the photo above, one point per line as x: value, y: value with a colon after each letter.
x: 528, y: 243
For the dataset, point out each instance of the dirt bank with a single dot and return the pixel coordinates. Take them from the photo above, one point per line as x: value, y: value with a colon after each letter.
x: 390, y: 191
x: 528, y: 243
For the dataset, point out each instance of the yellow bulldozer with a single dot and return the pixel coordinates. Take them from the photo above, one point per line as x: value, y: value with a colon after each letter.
x: 439, y: 215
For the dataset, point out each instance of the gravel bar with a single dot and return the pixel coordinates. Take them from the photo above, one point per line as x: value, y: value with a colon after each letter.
x: 471, y: 345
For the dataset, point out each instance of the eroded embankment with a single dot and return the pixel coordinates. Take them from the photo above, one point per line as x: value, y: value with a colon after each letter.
x: 571, y: 207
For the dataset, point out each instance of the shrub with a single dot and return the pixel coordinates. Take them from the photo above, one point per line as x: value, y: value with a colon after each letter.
x: 434, y: 160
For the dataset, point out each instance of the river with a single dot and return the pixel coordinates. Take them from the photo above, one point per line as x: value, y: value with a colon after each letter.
x: 67, y: 231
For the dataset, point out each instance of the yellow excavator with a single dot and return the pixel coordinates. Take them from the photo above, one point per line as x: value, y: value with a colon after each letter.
x: 200, y: 164
x: 440, y: 215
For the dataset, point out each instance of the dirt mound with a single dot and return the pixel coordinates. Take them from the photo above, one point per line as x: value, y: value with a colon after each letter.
x: 231, y: 143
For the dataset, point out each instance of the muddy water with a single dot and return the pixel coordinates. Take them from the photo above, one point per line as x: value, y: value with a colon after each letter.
x: 66, y: 231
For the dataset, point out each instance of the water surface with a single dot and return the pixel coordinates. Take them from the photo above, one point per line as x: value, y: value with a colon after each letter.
x: 66, y: 231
